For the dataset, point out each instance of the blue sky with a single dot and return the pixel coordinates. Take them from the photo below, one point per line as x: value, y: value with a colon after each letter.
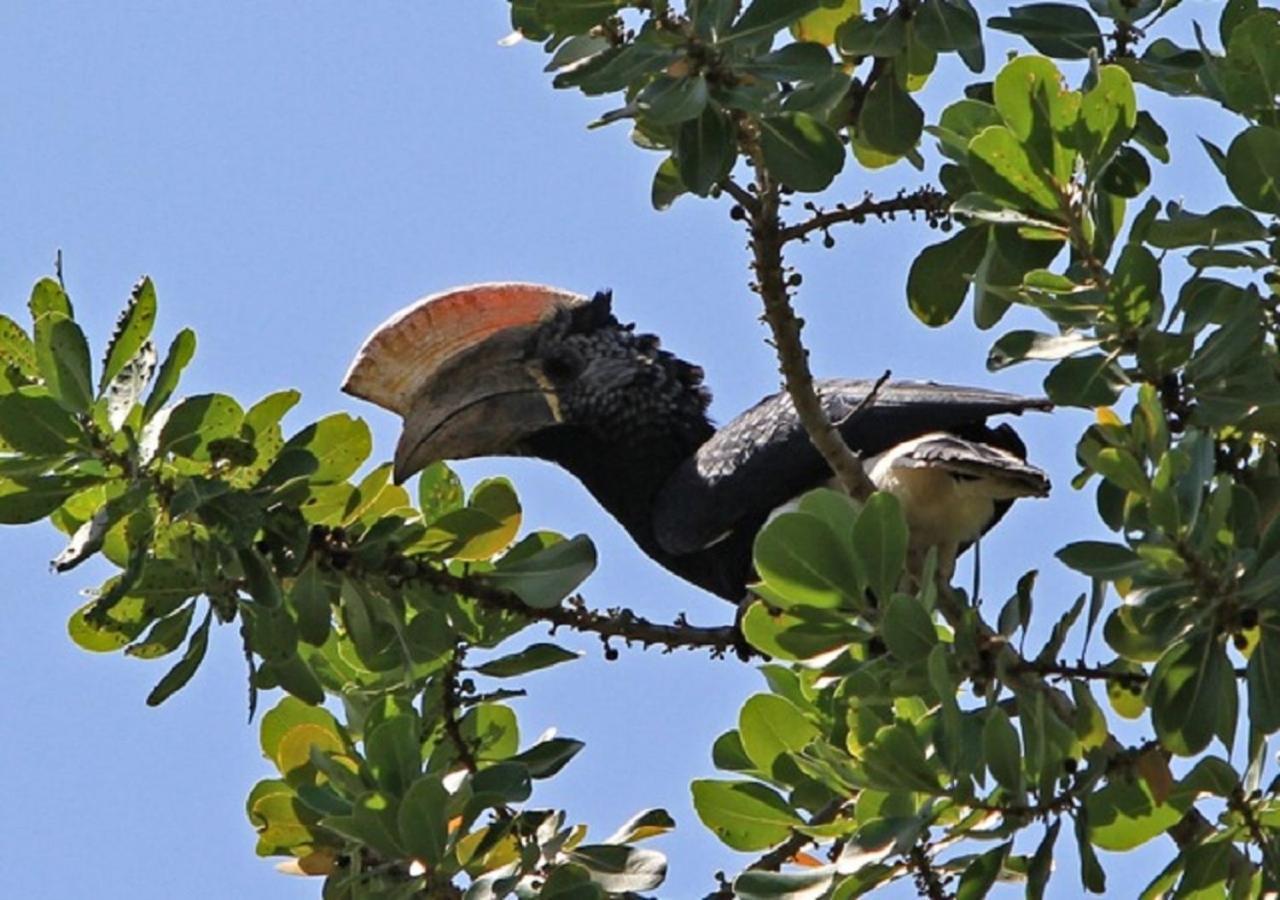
x: 290, y: 174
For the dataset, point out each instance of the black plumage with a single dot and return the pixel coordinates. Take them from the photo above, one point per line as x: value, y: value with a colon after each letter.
x: 629, y: 420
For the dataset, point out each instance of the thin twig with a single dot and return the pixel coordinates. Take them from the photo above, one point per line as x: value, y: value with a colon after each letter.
x: 928, y: 882
x: 622, y: 624
x: 745, y: 198
x: 928, y: 200
x: 450, y: 705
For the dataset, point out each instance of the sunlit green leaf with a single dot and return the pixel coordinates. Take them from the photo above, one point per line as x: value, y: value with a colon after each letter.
x: 745, y: 815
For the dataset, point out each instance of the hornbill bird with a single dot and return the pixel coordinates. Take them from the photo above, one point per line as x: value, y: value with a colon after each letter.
x: 520, y: 369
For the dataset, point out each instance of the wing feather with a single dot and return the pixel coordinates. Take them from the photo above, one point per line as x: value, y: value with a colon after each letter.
x: 763, y: 458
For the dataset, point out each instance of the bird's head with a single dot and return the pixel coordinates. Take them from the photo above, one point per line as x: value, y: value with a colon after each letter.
x: 494, y: 369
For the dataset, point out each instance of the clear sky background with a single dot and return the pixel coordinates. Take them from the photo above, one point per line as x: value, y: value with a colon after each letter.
x: 290, y: 174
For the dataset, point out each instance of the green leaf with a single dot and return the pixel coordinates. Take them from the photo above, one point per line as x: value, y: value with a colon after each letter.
x: 326, y: 452
x: 287, y: 715
x: 281, y: 821
x: 895, y: 760
x: 31, y: 498
x: 35, y: 424
x: 620, y: 869
x: 1092, y: 876
x: 1249, y: 76
x: 960, y: 123
x: 1124, y: 815
x: 1003, y: 751
x: 765, y: 17
x: 809, y: 884
x: 795, y: 635
x: 575, y: 16
x: 374, y: 821
x: 1002, y: 168
x: 883, y: 36
x: 801, y: 151
x: 770, y: 727
x: 803, y: 61
x: 1187, y: 692
x: 439, y: 491
x: 263, y: 420
x: 197, y: 422
x: 16, y: 348
x: 880, y: 542
x: 132, y: 331
x: 705, y: 150
x: 49, y: 299
x: 669, y: 101
x: 547, y: 577
x: 1253, y: 168
x: 545, y: 758
x: 643, y: 825
x: 1041, y: 866
x: 530, y: 659
x: 1042, y: 114
x: 1101, y: 559
x: 271, y: 632
x: 1225, y: 225
x: 164, y: 636
x: 312, y: 597
x: 394, y: 753
x: 890, y: 121
x: 180, y: 353
x: 1019, y: 346
x: 423, y: 820
x: 62, y: 356
x: 181, y: 673
x: 1127, y: 175
x: 908, y: 629
x: 745, y: 815
x: 945, y: 25
x: 1263, y: 675
x: 667, y: 184
x: 1108, y: 115
x: 1134, y: 292
x: 1087, y: 381
x: 491, y: 730
x: 1122, y: 468
x: 1060, y: 30
x: 804, y: 562
x: 980, y: 875
x: 939, y: 276
x: 820, y: 26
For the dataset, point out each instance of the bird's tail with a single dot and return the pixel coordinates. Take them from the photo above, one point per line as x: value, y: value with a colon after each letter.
x: 967, y: 459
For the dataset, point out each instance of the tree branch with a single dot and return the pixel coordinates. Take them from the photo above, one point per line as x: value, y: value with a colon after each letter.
x: 793, y: 359
x: 615, y: 623
x: 450, y: 704
x: 928, y: 882
x: 928, y: 200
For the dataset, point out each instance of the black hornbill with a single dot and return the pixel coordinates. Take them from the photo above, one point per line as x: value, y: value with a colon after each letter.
x: 520, y: 369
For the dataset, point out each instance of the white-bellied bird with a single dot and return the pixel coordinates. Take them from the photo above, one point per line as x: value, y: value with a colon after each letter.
x: 525, y: 370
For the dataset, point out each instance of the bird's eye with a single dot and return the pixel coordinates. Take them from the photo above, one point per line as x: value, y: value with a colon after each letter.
x: 562, y: 366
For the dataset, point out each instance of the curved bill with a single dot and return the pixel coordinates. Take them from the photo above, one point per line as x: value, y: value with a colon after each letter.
x: 452, y: 366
